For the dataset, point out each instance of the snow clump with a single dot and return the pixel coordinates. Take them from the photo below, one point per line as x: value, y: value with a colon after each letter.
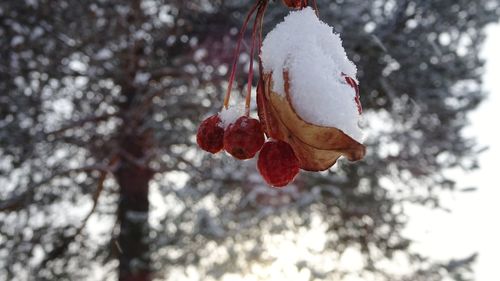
x: 229, y: 115
x: 316, y: 63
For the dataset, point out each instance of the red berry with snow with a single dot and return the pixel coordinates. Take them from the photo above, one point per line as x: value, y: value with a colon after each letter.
x: 244, y: 138
x: 210, y: 134
x: 277, y: 163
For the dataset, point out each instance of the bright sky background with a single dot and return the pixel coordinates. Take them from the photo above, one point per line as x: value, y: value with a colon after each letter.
x: 473, y: 224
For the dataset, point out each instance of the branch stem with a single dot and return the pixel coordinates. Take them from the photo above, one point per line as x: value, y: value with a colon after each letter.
x: 237, y: 54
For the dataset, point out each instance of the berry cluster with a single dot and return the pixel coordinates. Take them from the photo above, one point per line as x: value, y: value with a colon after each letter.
x: 292, y: 143
x: 242, y: 139
x: 245, y: 137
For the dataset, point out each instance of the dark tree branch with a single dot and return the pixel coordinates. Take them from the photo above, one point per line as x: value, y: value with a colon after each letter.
x: 79, y: 123
x: 20, y: 201
x: 65, y: 241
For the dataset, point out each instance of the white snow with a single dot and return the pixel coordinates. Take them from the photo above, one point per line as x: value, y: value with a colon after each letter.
x: 314, y: 57
x: 142, y: 78
x: 230, y: 115
x: 16, y: 40
x: 103, y: 54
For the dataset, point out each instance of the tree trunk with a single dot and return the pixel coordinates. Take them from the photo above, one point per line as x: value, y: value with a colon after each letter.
x: 133, y: 208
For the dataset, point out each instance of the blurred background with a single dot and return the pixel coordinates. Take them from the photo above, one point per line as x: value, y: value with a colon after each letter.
x: 101, y: 178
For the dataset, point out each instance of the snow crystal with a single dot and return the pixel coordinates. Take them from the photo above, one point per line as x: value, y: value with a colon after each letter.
x: 228, y: 116
x: 315, y: 60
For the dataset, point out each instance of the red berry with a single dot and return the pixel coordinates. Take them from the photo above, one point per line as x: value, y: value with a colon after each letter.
x: 296, y: 4
x: 210, y: 135
x: 277, y: 163
x: 244, y: 138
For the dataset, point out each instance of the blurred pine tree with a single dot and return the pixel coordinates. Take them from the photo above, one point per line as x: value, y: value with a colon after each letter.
x: 100, y: 100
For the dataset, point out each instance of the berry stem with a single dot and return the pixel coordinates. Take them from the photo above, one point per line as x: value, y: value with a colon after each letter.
x: 261, y: 71
x: 259, y: 38
x: 237, y: 53
x: 256, y: 22
x: 315, y: 5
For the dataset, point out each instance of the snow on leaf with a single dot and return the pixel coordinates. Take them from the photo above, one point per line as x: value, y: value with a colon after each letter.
x: 312, y: 55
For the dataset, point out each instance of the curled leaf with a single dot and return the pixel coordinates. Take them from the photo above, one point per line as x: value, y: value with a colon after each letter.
x: 316, y: 147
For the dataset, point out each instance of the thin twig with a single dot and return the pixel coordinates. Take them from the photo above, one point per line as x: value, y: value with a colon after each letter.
x: 81, y: 122
x: 236, y: 54
x: 250, y: 68
x: 18, y: 201
x: 58, y: 250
